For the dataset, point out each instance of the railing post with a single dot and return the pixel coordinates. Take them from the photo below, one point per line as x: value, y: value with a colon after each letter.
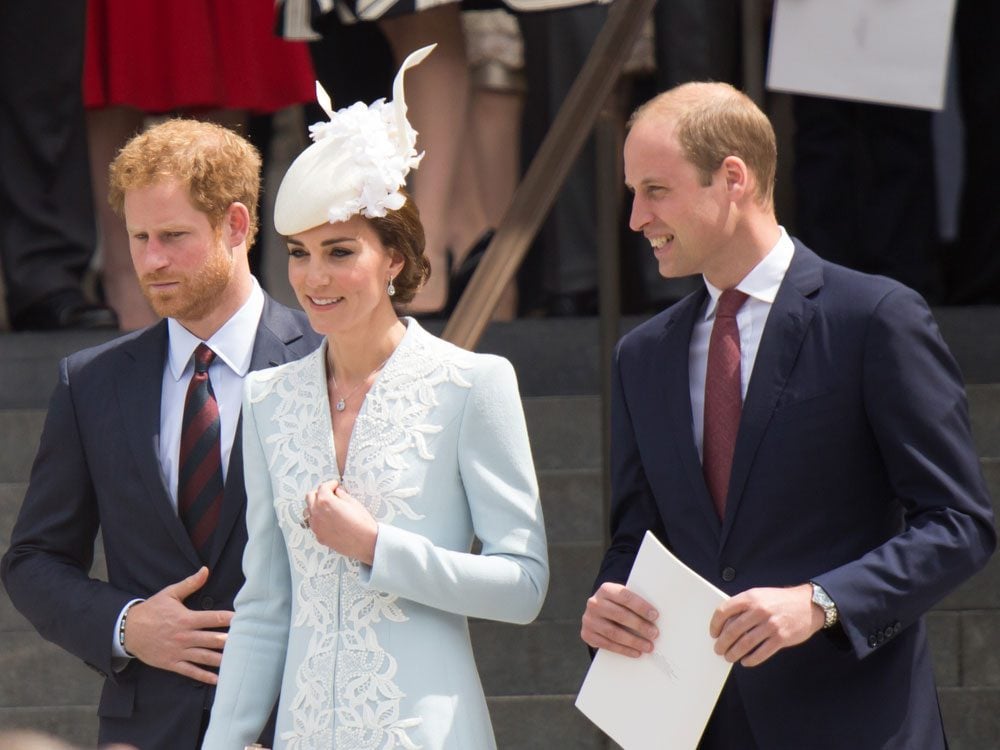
x: 609, y: 181
x: 753, y: 50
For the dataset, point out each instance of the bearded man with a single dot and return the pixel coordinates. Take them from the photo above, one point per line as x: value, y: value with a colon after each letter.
x: 141, y: 442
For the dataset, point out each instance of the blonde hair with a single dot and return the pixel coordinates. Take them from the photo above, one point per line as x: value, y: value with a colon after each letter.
x: 713, y: 121
x: 218, y: 166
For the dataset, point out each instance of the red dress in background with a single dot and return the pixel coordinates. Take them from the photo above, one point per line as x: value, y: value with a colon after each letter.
x: 191, y: 54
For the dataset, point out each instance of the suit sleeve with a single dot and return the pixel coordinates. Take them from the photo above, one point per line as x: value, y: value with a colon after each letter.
x: 633, y: 509
x: 46, y: 570
x: 254, y: 656
x: 508, y: 580
x: 916, y: 406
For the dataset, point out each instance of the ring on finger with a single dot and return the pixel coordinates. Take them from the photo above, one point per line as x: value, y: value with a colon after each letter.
x: 304, y: 523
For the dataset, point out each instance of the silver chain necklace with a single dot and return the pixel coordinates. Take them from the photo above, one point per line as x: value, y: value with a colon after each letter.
x: 342, y: 400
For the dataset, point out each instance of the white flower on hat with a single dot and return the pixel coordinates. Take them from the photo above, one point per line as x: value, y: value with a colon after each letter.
x: 357, y: 164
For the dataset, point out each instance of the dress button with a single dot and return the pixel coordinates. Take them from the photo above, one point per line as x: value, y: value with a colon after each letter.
x: 872, y: 641
x: 728, y: 574
x: 207, y: 602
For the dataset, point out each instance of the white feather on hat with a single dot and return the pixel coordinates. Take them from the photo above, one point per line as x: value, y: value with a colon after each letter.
x: 356, y: 165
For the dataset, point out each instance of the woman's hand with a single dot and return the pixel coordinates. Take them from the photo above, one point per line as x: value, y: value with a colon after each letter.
x: 341, y: 523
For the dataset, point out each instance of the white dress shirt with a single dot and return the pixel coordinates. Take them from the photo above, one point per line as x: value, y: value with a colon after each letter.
x: 233, y: 346
x: 761, y: 286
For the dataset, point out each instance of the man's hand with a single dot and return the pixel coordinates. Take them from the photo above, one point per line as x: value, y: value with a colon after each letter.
x: 619, y: 620
x: 753, y: 626
x: 342, y: 523
x: 163, y: 633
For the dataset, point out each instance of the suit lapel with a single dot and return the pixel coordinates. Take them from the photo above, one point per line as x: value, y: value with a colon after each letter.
x: 279, y: 339
x: 786, y: 327
x: 675, y: 392
x: 139, y: 384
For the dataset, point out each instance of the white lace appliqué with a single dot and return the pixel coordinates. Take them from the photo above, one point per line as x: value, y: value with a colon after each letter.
x: 361, y: 709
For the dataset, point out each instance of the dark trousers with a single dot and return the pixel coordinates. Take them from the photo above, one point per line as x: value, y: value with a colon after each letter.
x: 864, y: 185
x: 47, y: 232
x: 728, y: 727
x: 975, y: 264
x: 564, y: 258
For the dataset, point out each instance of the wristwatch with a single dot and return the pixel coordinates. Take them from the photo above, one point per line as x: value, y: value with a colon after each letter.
x: 823, y: 600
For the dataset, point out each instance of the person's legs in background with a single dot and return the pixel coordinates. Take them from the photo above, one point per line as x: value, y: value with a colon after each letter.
x: 437, y: 96
x: 47, y: 234
x: 108, y: 130
x: 490, y: 166
x: 865, y: 193
x: 560, y: 275
x: 975, y: 265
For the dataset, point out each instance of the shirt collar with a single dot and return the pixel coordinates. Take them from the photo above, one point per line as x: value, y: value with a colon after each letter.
x: 764, y: 279
x: 232, y: 343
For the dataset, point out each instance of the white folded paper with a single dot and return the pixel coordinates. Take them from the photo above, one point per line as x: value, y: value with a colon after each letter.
x: 889, y: 52
x: 664, y: 698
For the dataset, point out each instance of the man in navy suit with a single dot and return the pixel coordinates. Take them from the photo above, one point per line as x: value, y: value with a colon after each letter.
x: 110, y: 450
x: 849, y: 499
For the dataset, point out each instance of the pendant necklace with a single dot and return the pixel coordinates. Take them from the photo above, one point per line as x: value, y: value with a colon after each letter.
x: 342, y: 400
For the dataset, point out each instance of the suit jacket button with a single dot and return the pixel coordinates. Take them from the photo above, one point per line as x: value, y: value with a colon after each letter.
x: 728, y: 574
x: 207, y: 602
x: 872, y: 641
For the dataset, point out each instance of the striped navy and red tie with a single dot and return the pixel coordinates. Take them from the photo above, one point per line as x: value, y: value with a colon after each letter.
x: 199, y: 480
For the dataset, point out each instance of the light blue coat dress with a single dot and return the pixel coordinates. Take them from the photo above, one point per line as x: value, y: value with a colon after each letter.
x: 379, y: 657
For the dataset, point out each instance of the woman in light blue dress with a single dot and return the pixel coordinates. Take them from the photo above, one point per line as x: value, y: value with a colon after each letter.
x: 370, y: 467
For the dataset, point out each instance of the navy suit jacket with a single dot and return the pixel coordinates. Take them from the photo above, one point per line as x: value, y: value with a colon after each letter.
x: 97, y: 468
x: 854, y: 467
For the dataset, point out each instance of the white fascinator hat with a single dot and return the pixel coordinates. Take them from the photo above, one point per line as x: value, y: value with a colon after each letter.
x: 357, y: 163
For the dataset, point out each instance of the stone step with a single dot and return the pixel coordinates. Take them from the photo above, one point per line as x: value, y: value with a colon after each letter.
x: 970, y: 717
x: 533, y: 660
x: 549, y: 722
x: 543, y: 722
x: 548, y: 657
x: 565, y: 432
x: 572, y: 503
x: 573, y: 567
x: 20, y: 430
x: 982, y: 591
x: 55, y: 678
x: 551, y: 356
x: 543, y: 658
x: 74, y: 724
x: 29, y: 363
x: 963, y: 644
x: 984, y: 413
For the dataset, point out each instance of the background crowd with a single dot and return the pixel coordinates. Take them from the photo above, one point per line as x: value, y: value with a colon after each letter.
x: 75, y: 85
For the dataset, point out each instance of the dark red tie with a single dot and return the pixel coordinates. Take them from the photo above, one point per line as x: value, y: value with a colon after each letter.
x: 723, y: 398
x: 199, y: 479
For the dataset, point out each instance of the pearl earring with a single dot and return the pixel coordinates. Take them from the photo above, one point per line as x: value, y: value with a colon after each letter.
x: 390, y: 289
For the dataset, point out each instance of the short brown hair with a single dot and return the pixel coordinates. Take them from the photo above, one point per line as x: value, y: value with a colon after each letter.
x: 401, y: 230
x: 713, y: 121
x: 218, y: 166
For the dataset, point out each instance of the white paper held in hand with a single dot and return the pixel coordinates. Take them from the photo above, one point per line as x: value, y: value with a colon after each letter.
x: 664, y: 698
